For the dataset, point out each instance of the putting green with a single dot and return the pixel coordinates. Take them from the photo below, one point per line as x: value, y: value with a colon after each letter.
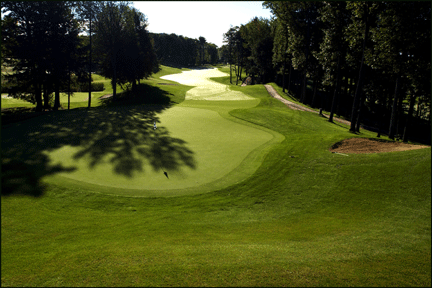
x: 199, y: 146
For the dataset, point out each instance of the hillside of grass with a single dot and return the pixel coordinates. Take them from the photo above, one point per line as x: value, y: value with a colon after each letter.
x: 306, y: 217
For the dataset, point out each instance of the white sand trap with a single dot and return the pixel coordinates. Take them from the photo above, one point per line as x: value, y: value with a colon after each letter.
x: 206, y: 89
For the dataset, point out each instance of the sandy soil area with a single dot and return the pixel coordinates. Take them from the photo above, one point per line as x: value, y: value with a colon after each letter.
x: 206, y: 89
x: 363, y: 145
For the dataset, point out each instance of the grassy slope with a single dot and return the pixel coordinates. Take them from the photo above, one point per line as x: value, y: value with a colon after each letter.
x: 317, y: 219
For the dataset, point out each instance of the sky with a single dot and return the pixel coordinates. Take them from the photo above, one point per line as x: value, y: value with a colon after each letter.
x: 192, y: 19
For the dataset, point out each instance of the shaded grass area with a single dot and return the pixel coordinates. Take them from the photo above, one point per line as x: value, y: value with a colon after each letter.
x: 80, y: 99
x: 114, y: 130
x: 306, y: 218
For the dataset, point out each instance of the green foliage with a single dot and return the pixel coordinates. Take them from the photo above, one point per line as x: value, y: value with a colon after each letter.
x: 124, y: 46
x: 257, y: 41
x: 180, y: 51
x: 42, y: 46
x: 84, y: 87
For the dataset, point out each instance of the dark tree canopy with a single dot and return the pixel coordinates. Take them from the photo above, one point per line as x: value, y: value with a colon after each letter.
x: 41, y: 43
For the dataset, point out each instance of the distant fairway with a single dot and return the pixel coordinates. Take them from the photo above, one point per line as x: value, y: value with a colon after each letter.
x: 9, y: 102
x: 207, y: 89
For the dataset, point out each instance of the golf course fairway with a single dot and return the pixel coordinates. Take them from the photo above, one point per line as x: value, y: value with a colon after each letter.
x: 196, y: 147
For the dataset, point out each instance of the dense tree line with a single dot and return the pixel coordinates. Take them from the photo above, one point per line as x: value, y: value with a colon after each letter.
x: 366, y: 61
x: 175, y: 50
x: 41, y: 43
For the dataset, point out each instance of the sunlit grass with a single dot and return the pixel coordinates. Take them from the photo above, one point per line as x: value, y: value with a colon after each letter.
x: 306, y: 217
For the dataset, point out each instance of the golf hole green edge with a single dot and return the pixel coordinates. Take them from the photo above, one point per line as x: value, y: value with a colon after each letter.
x: 242, y: 172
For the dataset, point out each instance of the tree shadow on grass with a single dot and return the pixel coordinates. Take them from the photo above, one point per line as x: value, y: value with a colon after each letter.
x: 143, y: 94
x: 120, y: 134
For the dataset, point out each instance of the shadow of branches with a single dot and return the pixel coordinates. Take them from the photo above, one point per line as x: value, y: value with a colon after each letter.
x: 122, y: 136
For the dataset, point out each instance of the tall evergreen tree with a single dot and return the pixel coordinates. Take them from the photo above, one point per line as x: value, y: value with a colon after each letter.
x: 360, y: 10
x: 41, y: 39
x: 334, y: 17
x: 202, y: 42
x: 87, y: 12
x: 109, y: 37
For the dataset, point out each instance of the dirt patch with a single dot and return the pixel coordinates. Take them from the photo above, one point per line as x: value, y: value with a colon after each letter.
x: 365, y: 145
x: 106, y: 96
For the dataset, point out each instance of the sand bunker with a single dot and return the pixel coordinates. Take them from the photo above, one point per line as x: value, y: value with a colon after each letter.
x: 364, y: 145
x: 206, y: 89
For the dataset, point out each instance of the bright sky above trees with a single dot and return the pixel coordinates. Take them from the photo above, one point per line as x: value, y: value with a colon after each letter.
x: 192, y: 19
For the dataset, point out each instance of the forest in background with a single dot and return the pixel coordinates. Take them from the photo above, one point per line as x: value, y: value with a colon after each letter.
x: 367, y: 62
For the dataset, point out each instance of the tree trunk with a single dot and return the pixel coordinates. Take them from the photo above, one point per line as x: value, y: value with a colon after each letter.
x: 238, y: 68
x: 56, y: 95
x: 230, y: 60
x: 360, y: 80
x: 410, y: 112
x: 343, y: 100
x: 283, y: 77
x: 289, y: 79
x: 360, y: 109
x: 90, y: 58
x: 303, y: 93
x: 303, y: 96
x: 393, y: 113
x: 284, y: 64
x: 241, y: 70
x: 69, y: 90
x: 45, y: 96
x: 114, y: 80
x: 38, y: 96
x: 336, y: 92
x: 380, y: 125
x: 133, y: 86
x: 315, y: 83
x: 400, y: 114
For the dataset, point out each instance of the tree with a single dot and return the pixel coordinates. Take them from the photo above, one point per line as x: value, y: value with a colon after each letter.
x: 280, y: 49
x: 223, y: 53
x: 401, y: 39
x: 229, y: 39
x: 20, y: 32
x: 125, y: 45
x: 176, y: 50
x: 138, y: 58
x: 304, y: 29
x: 235, y: 51
x: 212, y: 53
x: 258, y: 44
x: 202, y: 43
x: 41, y: 38
x: 360, y: 10
x: 333, y: 48
x: 62, y: 40
x: 109, y: 33
x: 87, y: 12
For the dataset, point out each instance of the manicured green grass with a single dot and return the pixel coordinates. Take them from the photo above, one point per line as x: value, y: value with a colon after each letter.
x: 306, y: 217
x: 11, y: 102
